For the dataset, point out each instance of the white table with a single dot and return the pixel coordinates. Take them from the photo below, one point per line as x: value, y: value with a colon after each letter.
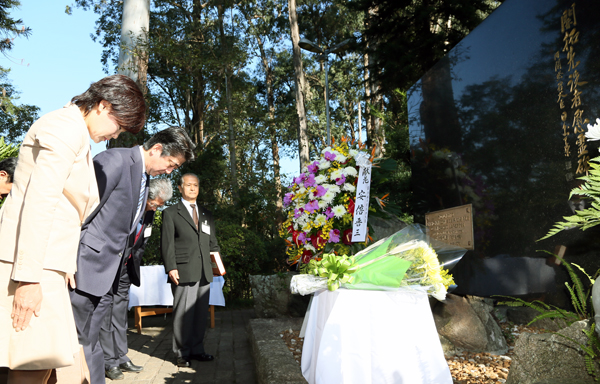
x: 154, y: 289
x: 372, y: 337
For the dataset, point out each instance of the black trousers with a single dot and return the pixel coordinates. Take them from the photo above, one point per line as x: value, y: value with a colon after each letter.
x: 190, y: 312
x: 113, y: 332
x: 89, y: 312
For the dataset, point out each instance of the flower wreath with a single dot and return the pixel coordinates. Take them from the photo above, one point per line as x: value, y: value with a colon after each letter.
x: 320, y: 206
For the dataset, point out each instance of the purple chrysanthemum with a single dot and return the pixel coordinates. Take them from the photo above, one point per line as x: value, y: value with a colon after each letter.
x: 314, y: 167
x: 287, y: 199
x: 321, y: 190
x: 312, y: 206
x: 329, y: 213
x: 309, y: 181
x: 334, y: 236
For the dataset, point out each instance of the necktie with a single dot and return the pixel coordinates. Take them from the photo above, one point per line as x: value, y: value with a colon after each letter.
x: 142, y: 194
x: 194, y: 214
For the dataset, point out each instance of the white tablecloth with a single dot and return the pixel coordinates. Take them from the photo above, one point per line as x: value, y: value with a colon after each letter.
x: 372, y: 337
x: 155, y: 290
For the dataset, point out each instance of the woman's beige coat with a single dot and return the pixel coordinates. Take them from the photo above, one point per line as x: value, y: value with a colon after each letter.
x: 53, y: 192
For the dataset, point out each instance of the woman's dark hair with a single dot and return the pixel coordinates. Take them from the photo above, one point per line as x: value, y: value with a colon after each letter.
x: 175, y: 142
x: 126, y: 101
x: 8, y: 165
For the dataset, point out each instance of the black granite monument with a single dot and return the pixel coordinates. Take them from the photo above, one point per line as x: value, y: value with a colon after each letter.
x: 500, y: 123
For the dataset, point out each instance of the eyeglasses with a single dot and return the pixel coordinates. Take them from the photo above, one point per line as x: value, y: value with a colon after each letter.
x: 154, y: 205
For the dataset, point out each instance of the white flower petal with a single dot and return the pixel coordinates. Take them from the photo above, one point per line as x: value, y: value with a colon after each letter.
x: 349, y: 187
x: 324, y: 164
x: 350, y: 171
x: 593, y: 132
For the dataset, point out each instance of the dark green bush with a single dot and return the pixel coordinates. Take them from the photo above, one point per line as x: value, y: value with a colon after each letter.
x: 243, y: 254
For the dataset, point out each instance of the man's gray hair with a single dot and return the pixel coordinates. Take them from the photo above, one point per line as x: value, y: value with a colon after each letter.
x: 160, y: 188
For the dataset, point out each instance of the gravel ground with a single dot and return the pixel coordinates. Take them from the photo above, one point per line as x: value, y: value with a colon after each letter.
x: 465, y: 367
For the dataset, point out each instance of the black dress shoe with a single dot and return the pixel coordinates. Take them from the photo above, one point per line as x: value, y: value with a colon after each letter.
x: 183, y: 362
x: 203, y: 357
x: 130, y: 367
x: 114, y: 374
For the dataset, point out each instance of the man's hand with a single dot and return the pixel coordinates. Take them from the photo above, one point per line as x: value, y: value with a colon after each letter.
x: 70, y: 280
x: 27, y: 302
x: 174, y: 276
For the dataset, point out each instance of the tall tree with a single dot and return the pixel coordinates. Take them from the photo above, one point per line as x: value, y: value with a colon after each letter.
x: 225, y: 42
x: 133, y: 56
x: 300, y: 85
x: 135, y: 24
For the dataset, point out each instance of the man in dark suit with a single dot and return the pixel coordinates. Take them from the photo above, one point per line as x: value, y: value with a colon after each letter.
x: 122, y: 176
x: 113, y: 334
x: 187, y: 239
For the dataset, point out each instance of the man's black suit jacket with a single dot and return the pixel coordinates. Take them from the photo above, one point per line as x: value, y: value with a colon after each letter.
x: 185, y: 248
x: 105, y: 233
x: 136, y: 249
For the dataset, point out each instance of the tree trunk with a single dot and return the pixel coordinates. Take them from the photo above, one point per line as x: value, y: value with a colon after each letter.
x: 231, y: 130
x: 378, y: 135
x: 359, y: 128
x: 300, y: 86
x: 133, y: 57
x: 272, y: 129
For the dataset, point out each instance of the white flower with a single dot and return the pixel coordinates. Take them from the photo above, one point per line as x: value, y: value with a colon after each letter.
x: 324, y: 164
x: 339, y: 211
x: 350, y: 171
x: 340, y: 158
x: 301, y: 190
x: 306, y: 227
x: 352, y: 152
x: 310, y: 247
x: 320, y: 220
x: 323, y: 203
x: 303, y: 219
x: 311, y: 196
x: 349, y: 187
x: 336, y: 174
x: 333, y: 188
x: 328, y: 197
x: 593, y: 132
x: 320, y: 179
x: 327, y: 149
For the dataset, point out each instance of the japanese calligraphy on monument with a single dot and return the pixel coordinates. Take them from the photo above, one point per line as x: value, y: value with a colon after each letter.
x: 453, y: 226
x: 569, y: 81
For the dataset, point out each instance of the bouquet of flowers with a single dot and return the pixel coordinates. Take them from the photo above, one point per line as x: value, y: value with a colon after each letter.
x: 320, y: 206
x: 409, y: 259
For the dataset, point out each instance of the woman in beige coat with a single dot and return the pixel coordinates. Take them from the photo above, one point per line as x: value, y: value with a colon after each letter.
x: 54, y: 190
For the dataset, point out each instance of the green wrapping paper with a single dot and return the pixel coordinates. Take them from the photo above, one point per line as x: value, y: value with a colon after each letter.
x: 406, y: 259
x: 380, y: 267
x: 386, y: 273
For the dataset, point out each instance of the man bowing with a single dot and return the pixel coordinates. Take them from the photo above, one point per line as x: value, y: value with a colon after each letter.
x: 187, y: 239
x: 122, y: 175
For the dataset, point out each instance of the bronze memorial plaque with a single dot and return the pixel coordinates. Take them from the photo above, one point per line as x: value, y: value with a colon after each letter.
x: 452, y: 226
